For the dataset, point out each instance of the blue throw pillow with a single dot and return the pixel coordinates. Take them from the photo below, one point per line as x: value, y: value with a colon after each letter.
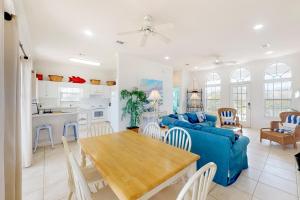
x: 192, y: 117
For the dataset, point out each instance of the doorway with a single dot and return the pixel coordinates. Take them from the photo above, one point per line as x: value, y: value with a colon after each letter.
x: 240, y: 100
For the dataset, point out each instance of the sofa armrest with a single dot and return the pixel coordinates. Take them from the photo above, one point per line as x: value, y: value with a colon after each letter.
x: 167, y: 121
x: 240, y: 144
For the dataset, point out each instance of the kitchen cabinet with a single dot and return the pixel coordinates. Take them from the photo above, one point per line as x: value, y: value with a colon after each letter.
x: 85, y: 91
x: 97, y: 90
x: 107, y: 92
x: 48, y: 89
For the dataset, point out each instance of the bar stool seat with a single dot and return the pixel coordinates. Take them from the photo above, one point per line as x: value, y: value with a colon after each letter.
x: 47, y: 127
x: 73, y: 125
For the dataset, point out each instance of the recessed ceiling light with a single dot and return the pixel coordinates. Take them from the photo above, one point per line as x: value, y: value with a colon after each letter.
x: 88, y: 33
x: 258, y: 26
x: 167, y: 58
x: 83, y: 61
x: 196, y: 67
x: 269, y: 52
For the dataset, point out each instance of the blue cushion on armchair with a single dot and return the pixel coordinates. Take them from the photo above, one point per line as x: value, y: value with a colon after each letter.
x: 192, y: 117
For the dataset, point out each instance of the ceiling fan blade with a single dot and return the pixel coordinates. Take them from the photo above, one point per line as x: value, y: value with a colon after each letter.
x: 143, y: 40
x: 163, y: 37
x: 230, y: 62
x: 130, y: 32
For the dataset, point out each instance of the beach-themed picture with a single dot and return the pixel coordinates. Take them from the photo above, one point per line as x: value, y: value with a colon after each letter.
x: 148, y: 85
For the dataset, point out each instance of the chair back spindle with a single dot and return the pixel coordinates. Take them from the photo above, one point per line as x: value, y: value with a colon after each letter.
x: 179, y: 137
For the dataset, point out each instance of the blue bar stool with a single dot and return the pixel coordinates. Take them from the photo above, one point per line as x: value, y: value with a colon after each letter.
x: 47, y: 127
x: 75, y: 129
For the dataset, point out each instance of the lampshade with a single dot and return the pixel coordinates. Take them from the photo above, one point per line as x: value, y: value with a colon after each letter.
x: 194, y: 96
x: 154, y: 95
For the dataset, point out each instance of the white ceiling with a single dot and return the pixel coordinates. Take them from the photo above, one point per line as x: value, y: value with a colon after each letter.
x: 201, y: 28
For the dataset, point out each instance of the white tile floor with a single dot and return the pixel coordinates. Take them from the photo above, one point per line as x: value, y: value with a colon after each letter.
x: 272, y: 174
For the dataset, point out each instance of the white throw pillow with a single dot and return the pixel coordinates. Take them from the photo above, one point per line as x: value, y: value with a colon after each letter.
x: 201, y: 116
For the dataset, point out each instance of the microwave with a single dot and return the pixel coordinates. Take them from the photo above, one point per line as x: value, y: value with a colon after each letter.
x: 99, y: 114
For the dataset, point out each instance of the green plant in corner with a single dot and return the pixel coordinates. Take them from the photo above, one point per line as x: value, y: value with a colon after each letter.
x: 134, y: 105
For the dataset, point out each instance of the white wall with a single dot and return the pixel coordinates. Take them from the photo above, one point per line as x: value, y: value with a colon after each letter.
x: 257, y: 69
x: 181, y: 80
x: 132, y: 69
x: 87, y: 72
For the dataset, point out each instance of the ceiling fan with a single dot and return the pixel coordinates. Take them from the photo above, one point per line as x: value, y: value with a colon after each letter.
x: 219, y: 61
x: 148, y: 29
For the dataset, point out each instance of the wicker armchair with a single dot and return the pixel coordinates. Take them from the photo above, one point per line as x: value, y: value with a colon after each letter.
x: 283, y: 139
x: 235, y: 118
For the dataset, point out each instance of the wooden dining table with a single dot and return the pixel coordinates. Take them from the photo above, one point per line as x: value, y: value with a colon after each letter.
x: 136, y: 166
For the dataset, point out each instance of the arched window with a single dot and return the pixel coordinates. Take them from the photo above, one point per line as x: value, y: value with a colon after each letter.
x: 212, y: 92
x: 240, y: 75
x: 278, y: 89
x: 240, y: 94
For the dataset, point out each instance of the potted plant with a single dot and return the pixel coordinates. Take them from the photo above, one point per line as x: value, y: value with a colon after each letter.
x: 134, y: 106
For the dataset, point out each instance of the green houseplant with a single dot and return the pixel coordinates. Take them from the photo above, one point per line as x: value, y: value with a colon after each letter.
x: 135, y: 100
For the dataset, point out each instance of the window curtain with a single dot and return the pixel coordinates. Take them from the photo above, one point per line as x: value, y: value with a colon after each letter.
x: 12, y: 110
x: 26, y: 122
x: 2, y: 179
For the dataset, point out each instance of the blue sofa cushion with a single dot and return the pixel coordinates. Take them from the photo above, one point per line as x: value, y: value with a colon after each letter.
x: 207, y: 123
x: 183, y: 124
x: 192, y: 117
x: 218, y: 131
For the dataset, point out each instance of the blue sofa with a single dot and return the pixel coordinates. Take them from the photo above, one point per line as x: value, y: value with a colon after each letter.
x: 217, y: 145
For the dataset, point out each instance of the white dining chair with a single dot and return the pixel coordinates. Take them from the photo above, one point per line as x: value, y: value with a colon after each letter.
x: 179, y: 138
x: 152, y: 130
x: 99, y: 128
x: 82, y: 191
x: 198, y: 185
x: 90, y: 173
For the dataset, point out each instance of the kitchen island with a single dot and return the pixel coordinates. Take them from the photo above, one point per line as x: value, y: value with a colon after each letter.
x: 57, y: 121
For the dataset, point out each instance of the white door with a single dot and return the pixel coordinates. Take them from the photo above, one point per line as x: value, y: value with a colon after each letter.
x: 240, y: 100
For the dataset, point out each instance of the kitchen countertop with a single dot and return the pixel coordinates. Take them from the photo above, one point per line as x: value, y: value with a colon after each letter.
x: 54, y: 114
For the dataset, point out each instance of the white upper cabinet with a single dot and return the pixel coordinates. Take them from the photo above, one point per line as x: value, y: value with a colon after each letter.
x: 97, y: 90
x: 66, y: 91
x: 48, y: 89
